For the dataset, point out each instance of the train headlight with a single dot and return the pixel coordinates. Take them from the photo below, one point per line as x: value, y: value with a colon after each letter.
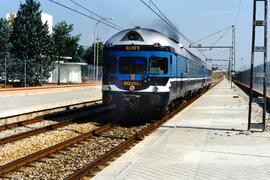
x: 155, y: 89
x: 110, y: 45
x: 157, y: 45
x: 131, y: 88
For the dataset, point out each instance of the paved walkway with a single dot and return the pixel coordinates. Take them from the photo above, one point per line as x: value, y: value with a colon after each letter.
x: 13, y: 103
x: 205, y: 141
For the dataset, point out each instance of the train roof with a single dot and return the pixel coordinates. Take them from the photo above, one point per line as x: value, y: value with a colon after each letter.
x: 145, y: 36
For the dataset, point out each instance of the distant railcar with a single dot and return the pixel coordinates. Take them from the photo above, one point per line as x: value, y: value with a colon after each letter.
x: 144, y: 70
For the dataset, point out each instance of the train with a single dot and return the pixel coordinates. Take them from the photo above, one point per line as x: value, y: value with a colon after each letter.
x: 146, y: 71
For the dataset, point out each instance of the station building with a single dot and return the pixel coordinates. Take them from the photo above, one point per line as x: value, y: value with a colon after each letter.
x: 70, y: 72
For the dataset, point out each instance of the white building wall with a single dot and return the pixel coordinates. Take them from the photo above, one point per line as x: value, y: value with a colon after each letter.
x: 49, y: 19
x: 69, y: 73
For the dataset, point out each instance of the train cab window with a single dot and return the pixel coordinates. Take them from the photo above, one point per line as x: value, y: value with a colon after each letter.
x: 109, y: 65
x: 132, y: 65
x: 158, y: 65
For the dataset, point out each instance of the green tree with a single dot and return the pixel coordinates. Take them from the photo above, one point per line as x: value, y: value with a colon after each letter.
x: 80, y: 52
x: 31, y: 45
x: 89, y: 54
x: 65, y: 43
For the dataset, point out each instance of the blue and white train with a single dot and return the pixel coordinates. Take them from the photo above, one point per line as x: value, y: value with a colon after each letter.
x: 144, y: 70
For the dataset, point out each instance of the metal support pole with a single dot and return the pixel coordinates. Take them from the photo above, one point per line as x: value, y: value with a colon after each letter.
x: 25, y: 73
x: 252, y: 64
x: 101, y: 19
x: 265, y: 61
x: 262, y: 23
x: 88, y: 75
x: 233, y: 46
x: 94, y: 78
x: 233, y: 50
x: 5, y: 71
x: 40, y: 72
x: 58, y: 71
x: 230, y: 66
x: 97, y: 57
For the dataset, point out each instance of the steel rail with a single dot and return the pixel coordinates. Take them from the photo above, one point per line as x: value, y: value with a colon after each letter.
x: 54, y: 108
x: 97, y: 109
x: 20, y: 123
x: 60, y: 146
x: 53, y: 149
x: 41, y: 118
x: 91, y: 167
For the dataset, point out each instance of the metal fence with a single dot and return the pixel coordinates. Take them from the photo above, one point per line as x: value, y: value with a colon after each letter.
x: 86, y: 73
x: 244, y: 77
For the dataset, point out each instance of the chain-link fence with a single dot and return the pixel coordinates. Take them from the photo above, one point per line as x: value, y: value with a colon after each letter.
x: 69, y: 73
x: 2, y: 72
x: 88, y: 71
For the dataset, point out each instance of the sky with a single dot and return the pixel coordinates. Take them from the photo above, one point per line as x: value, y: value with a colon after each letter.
x: 194, y: 18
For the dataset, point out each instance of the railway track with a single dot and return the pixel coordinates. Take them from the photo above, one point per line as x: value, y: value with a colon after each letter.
x: 20, y: 123
x: 69, y: 109
x: 18, y: 120
x: 93, y: 166
x: 90, y: 112
x: 100, y: 138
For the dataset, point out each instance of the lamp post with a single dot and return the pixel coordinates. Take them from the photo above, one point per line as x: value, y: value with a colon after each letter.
x: 97, y: 57
x: 5, y: 71
x: 96, y: 46
x: 24, y: 72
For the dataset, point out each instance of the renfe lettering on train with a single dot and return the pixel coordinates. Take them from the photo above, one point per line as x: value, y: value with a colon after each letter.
x: 132, y: 48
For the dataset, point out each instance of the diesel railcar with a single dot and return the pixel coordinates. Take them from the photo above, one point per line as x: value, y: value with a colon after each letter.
x: 144, y: 70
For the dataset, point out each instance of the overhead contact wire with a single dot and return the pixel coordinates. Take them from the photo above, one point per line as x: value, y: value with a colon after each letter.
x: 88, y: 10
x: 172, y: 27
x: 83, y: 14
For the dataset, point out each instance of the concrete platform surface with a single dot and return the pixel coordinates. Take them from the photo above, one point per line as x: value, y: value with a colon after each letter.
x: 207, y: 140
x: 18, y: 103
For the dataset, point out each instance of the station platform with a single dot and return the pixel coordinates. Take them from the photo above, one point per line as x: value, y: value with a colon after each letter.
x: 207, y: 140
x: 25, y: 101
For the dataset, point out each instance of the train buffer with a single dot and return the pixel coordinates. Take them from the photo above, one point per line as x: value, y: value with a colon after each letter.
x: 207, y: 140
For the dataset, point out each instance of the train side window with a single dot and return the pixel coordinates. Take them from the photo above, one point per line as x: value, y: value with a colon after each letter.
x: 109, y: 65
x: 158, y: 65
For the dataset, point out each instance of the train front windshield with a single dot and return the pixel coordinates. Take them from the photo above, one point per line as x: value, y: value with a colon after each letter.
x: 132, y: 65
